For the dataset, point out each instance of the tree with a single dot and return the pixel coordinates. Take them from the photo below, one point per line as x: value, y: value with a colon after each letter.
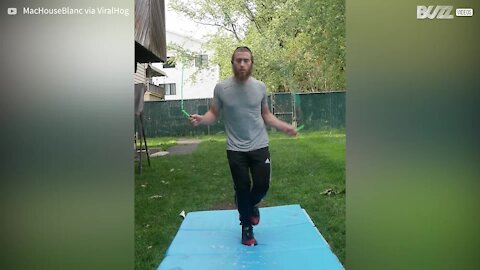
x: 298, y: 45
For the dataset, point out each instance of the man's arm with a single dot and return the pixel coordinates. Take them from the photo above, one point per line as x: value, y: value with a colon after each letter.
x: 206, y: 119
x: 273, y: 121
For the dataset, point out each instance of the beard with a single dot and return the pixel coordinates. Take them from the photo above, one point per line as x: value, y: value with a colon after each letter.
x: 242, y: 75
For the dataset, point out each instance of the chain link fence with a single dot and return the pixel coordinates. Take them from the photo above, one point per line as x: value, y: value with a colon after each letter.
x: 316, y: 111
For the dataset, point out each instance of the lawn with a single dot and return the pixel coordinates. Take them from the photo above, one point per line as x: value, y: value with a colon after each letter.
x: 302, y: 168
x: 161, y: 142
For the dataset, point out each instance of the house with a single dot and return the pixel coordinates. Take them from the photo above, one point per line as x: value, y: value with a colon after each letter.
x: 205, y: 80
x: 150, y: 45
x: 143, y: 75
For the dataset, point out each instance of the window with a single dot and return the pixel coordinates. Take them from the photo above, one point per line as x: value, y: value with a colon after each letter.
x: 170, y: 88
x: 201, y: 60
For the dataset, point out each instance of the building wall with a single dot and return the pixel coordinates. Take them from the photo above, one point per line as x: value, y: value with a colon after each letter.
x: 205, y: 81
x: 140, y: 75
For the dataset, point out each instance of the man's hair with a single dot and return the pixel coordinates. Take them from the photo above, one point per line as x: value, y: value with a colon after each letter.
x: 242, y: 49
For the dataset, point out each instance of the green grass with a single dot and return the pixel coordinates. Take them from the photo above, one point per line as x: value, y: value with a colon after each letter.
x: 162, y: 142
x: 302, y: 168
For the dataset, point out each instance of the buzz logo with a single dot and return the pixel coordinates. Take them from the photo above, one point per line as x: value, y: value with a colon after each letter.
x: 434, y: 12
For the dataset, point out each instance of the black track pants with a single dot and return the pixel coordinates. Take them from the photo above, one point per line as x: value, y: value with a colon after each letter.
x: 248, y: 191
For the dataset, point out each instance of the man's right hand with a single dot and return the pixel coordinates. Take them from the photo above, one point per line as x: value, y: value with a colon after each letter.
x: 195, y: 119
x: 291, y: 131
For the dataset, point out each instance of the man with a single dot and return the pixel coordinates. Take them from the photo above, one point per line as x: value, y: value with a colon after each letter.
x: 243, y: 100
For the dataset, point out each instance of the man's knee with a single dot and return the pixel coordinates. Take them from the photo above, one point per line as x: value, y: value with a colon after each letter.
x: 242, y: 186
x: 261, y: 187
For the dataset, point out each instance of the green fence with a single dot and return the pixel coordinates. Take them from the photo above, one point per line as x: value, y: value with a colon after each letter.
x: 316, y: 111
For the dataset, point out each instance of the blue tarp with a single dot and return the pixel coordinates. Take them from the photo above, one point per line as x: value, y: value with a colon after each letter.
x: 287, y: 240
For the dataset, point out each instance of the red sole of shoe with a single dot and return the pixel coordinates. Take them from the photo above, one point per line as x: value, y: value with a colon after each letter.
x: 252, y: 242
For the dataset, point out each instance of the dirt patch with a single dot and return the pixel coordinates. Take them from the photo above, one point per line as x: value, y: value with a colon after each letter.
x: 188, y: 141
x: 184, y: 147
x: 231, y: 205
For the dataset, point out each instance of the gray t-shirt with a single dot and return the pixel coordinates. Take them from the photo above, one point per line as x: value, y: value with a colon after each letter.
x: 241, y: 103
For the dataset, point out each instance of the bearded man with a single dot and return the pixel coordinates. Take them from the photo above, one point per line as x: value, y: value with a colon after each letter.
x: 243, y: 101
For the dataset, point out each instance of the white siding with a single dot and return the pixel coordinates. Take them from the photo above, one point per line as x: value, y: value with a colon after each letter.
x: 140, y: 75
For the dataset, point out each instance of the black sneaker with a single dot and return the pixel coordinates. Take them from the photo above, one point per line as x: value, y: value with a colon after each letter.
x: 255, y: 218
x: 248, y: 238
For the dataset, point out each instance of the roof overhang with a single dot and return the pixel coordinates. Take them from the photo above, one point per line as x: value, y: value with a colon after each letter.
x: 154, y: 72
x: 150, y: 34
